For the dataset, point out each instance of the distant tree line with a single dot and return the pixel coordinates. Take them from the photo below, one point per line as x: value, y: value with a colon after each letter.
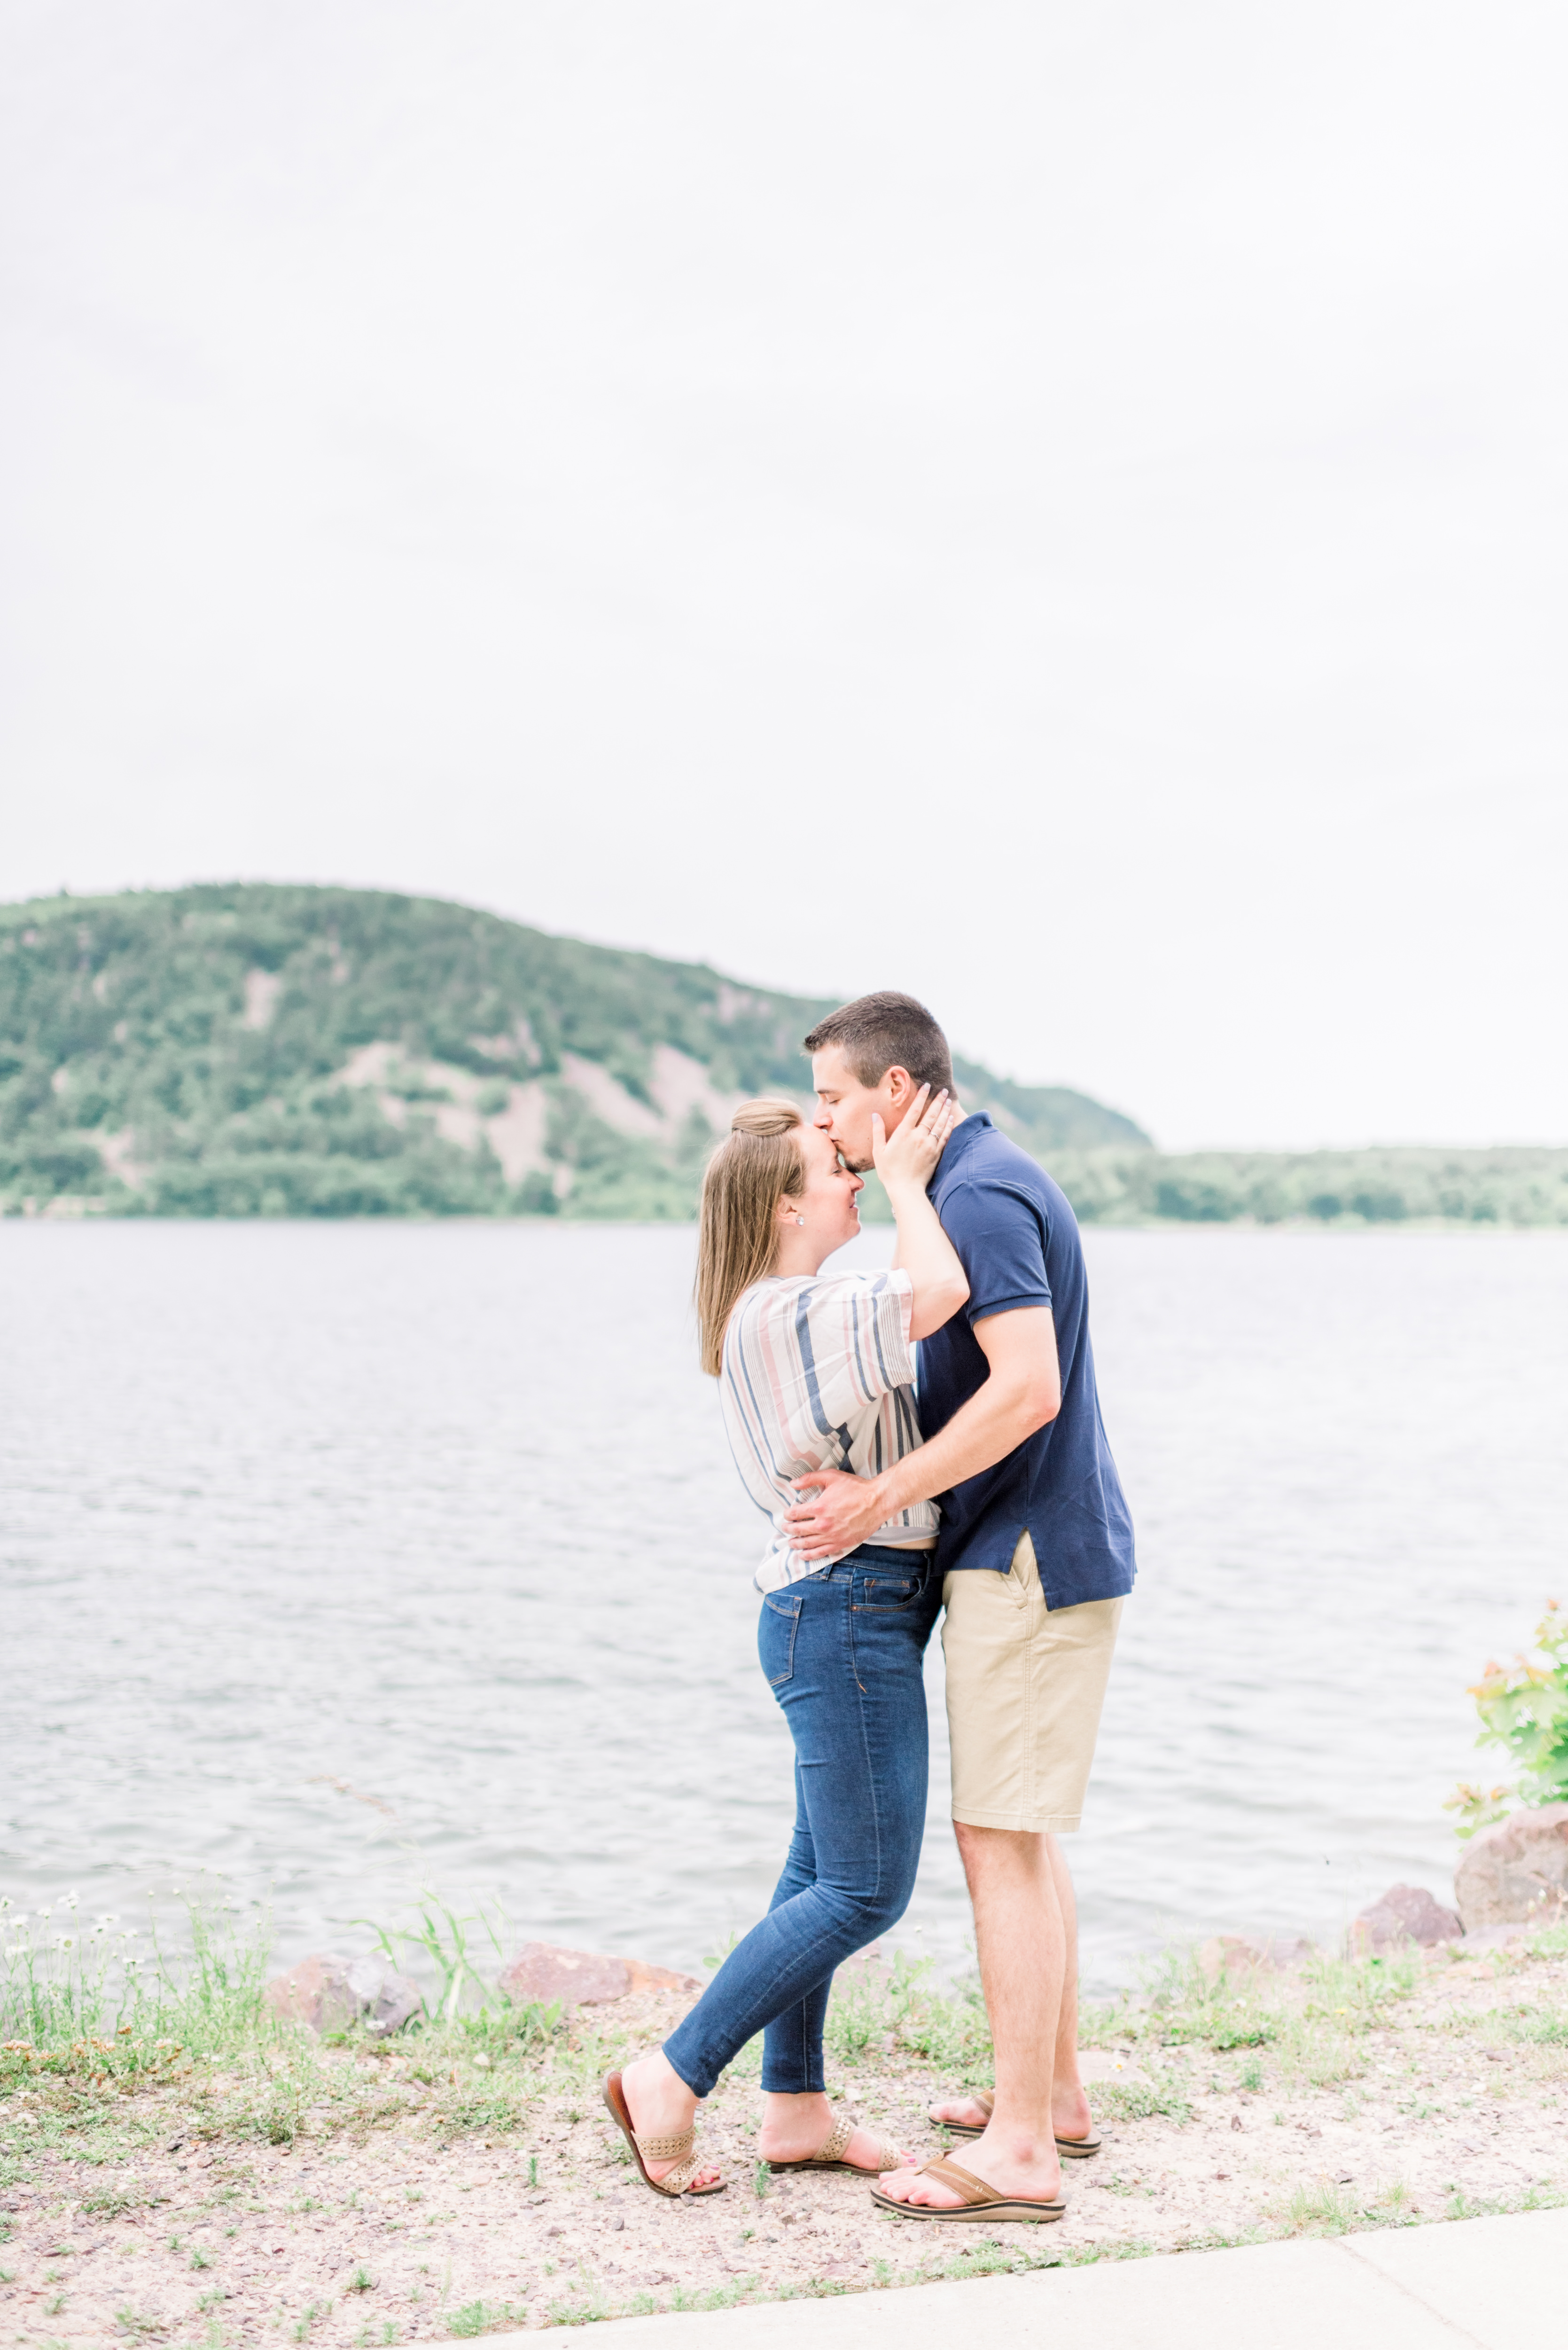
x: 1517, y: 1187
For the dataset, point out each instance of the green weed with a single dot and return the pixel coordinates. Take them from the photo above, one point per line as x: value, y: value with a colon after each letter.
x: 1137, y: 2101
x: 1321, y: 2210
x: 879, y: 2009
x: 444, y: 1936
x: 484, y: 2317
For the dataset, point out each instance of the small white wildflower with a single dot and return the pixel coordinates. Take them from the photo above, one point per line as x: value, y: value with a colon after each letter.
x: 65, y: 1941
x: 71, y: 1899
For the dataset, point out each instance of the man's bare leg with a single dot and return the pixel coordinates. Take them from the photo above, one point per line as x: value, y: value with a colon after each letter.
x: 1069, y: 2104
x: 1021, y: 1936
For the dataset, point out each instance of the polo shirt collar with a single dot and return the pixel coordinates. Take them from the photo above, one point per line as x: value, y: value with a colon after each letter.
x: 960, y: 1141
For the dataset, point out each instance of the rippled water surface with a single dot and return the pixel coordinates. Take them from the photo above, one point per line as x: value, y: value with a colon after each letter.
x: 338, y: 1557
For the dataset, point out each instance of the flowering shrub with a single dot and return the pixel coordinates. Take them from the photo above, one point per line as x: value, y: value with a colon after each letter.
x: 1524, y: 1709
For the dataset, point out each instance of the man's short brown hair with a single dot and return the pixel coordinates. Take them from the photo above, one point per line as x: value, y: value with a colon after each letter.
x: 887, y: 1031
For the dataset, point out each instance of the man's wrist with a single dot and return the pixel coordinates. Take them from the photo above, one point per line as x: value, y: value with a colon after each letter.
x: 889, y: 1500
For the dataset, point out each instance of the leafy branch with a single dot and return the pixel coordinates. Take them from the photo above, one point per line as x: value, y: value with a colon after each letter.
x: 1524, y: 1708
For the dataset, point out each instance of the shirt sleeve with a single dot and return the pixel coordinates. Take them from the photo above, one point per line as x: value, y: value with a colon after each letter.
x: 999, y: 1235
x: 853, y: 1332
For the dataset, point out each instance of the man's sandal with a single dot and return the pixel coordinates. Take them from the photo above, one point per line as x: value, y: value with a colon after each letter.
x: 646, y: 2150
x: 1079, y: 2148
x: 829, y: 2155
x: 979, y: 2202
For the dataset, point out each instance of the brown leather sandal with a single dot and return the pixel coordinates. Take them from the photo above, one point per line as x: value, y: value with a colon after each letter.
x: 829, y: 2156
x: 979, y: 2202
x: 1079, y: 2148
x: 676, y: 2149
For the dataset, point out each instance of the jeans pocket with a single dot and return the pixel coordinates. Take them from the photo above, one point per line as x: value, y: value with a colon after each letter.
x: 887, y: 1592
x: 776, y: 1628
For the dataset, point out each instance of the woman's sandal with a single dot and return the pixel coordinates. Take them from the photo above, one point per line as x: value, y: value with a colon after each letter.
x: 679, y: 2150
x: 829, y: 2155
x: 1079, y: 2148
x: 979, y: 2202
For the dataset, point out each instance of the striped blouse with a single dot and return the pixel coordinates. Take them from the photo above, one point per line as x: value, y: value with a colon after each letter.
x: 820, y: 1375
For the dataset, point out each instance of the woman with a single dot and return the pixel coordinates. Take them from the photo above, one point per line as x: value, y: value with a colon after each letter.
x: 814, y: 1374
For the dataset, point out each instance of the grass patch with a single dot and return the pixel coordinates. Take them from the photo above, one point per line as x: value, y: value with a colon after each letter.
x: 478, y: 2317
x: 880, y: 2009
x: 1311, y: 2022
x: 1537, y: 2027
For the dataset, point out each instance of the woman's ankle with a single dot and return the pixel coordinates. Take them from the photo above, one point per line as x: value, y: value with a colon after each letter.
x: 653, y: 2079
x: 789, y: 2116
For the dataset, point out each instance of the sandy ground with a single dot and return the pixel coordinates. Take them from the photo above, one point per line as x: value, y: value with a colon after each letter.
x: 398, y: 2238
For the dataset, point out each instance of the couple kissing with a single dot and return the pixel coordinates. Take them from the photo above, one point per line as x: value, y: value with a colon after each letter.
x: 981, y: 1490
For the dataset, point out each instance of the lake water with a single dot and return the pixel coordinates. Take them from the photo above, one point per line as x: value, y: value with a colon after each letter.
x: 336, y: 1558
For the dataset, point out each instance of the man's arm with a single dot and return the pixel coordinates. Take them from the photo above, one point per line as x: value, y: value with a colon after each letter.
x: 1023, y: 1391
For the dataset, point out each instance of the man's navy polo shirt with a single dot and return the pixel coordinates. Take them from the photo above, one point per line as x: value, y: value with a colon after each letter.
x: 1018, y: 1240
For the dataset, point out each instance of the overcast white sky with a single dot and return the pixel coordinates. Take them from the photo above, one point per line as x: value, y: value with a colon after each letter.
x: 1059, y: 506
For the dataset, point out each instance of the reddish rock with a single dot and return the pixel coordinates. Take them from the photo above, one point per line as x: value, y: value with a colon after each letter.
x: 316, y: 1994
x: 1405, y: 1914
x: 1517, y: 1872
x: 327, y: 1993
x: 1235, y: 1956
x: 541, y: 1974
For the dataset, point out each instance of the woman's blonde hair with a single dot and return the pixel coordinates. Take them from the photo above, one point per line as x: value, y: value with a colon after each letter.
x: 759, y: 1163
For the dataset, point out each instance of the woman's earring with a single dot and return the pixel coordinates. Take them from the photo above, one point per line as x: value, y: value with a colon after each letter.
x: 800, y: 1219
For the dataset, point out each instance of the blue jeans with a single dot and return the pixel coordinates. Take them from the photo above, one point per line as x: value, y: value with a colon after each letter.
x: 842, y: 1651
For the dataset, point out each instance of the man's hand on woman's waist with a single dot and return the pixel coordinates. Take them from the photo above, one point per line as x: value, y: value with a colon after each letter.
x: 1023, y: 1391
x: 837, y: 1513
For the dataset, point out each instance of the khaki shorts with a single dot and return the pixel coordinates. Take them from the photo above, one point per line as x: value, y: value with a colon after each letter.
x: 1025, y: 1685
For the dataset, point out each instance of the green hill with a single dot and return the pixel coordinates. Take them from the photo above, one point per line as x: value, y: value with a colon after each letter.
x: 245, y: 1049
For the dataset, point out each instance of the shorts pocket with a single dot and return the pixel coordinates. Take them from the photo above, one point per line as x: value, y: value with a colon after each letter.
x: 776, y: 1628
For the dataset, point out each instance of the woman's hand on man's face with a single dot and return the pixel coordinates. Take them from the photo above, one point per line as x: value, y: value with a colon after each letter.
x: 910, y: 1153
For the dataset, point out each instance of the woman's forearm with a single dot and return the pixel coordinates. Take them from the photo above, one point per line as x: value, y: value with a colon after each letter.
x: 925, y: 1252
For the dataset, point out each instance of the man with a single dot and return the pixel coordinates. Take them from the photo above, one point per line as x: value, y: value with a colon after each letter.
x: 1036, y: 1553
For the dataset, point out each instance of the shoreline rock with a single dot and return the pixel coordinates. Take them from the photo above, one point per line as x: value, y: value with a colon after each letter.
x: 1235, y: 1955
x: 542, y: 1973
x: 327, y: 1992
x: 1405, y: 1913
x: 1516, y: 1872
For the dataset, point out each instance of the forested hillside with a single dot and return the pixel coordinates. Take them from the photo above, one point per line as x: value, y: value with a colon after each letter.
x: 260, y: 1050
